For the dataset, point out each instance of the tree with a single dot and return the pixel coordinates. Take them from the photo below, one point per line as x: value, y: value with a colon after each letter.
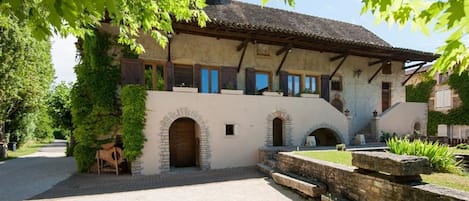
x: 59, y: 106
x: 24, y: 81
x: 440, y: 16
x: 132, y: 17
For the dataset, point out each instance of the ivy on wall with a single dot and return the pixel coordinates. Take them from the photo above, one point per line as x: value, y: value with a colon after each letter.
x: 133, y: 120
x: 456, y: 116
x: 95, y: 109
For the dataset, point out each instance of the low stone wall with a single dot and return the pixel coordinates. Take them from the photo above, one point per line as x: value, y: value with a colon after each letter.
x: 345, y: 181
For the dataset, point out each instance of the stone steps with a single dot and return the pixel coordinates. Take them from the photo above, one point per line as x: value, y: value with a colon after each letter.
x: 265, y: 169
x: 309, y: 188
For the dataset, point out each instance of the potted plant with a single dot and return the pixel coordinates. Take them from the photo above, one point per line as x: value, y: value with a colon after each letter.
x: 308, y: 93
x: 340, y: 147
x: 230, y: 89
x: 272, y: 93
x: 185, y: 88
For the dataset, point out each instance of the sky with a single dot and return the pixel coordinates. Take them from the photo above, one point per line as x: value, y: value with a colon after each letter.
x: 63, y: 50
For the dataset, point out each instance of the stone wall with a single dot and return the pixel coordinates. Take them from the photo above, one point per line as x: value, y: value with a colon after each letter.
x: 344, y: 181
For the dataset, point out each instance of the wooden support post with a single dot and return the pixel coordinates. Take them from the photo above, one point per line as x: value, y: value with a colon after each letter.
x: 413, y: 73
x: 376, y: 73
x: 338, y: 57
x: 283, y: 60
x: 375, y: 62
x: 414, y: 65
x: 338, y: 66
x: 242, y: 46
x: 285, y: 48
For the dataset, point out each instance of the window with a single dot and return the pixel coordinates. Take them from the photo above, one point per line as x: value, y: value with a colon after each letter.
x: 229, y: 129
x: 293, y: 85
x: 443, y: 98
x: 311, y: 84
x: 210, y: 80
x: 336, y: 85
x: 154, y: 76
x: 262, y: 82
x: 183, y: 76
x: 443, y: 78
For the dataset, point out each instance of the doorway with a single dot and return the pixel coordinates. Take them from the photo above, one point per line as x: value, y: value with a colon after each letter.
x: 182, y: 143
x: 277, y: 129
x: 385, y: 96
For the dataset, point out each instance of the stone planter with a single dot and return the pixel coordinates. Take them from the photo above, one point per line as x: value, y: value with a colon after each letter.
x: 185, y: 89
x: 309, y: 95
x: 270, y: 93
x: 232, y: 91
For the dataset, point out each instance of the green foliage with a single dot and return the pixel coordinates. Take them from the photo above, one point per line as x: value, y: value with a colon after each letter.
x: 462, y: 146
x: 94, y: 105
x: 442, y: 16
x: 460, y: 83
x: 133, y: 120
x: 420, y: 92
x: 441, y: 157
x: 435, y: 118
x: 132, y: 17
x: 25, y: 76
x: 340, y: 147
x: 59, y: 106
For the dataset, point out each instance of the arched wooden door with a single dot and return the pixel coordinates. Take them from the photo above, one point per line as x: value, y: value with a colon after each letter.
x: 277, y: 129
x: 182, y: 143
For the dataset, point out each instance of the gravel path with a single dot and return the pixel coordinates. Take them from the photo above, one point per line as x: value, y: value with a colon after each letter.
x: 30, y: 175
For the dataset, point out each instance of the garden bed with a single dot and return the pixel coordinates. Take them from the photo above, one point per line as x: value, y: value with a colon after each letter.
x: 460, y: 182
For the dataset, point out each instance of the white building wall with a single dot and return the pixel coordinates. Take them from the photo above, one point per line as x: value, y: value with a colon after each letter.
x: 402, y: 118
x: 250, y: 114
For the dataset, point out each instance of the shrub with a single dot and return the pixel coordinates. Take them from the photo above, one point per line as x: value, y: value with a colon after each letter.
x: 340, y: 147
x: 462, y: 146
x: 441, y: 157
x: 85, y: 157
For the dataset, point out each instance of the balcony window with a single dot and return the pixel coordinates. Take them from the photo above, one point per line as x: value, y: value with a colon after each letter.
x: 183, y: 76
x: 210, y: 80
x: 154, y: 76
x: 262, y: 82
x: 311, y: 84
x: 294, y: 85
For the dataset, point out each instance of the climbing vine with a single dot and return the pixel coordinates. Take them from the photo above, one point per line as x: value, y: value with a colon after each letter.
x: 133, y: 120
x: 420, y: 92
x: 95, y: 109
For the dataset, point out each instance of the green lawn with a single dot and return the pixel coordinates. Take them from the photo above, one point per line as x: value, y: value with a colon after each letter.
x: 25, y: 150
x: 455, y: 181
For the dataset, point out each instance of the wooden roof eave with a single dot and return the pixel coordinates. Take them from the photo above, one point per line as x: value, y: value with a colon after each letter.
x: 304, y: 42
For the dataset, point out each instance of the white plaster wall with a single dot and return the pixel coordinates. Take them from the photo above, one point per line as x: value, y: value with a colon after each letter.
x: 248, y: 113
x: 359, y: 96
x: 402, y: 117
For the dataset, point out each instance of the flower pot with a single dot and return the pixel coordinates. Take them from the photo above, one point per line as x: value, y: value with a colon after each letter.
x: 232, y: 91
x: 185, y: 89
x: 270, y: 93
x: 305, y: 95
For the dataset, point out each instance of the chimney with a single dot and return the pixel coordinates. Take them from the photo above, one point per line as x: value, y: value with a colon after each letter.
x: 217, y: 2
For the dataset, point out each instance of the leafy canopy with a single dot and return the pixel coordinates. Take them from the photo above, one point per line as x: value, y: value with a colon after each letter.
x: 440, y: 16
x: 133, y: 17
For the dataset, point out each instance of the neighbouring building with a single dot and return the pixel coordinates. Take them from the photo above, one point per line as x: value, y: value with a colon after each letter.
x: 257, y: 77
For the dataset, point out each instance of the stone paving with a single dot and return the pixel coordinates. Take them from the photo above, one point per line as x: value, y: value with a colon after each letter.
x: 184, y: 184
x: 27, y: 176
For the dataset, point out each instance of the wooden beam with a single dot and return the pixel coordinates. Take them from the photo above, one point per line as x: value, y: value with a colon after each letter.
x: 413, y: 73
x: 375, y: 62
x: 414, y: 65
x: 338, y: 57
x: 338, y: 66
x: 285, y: 48
x: 376, y: 73
x: 283, y: 60
x: 242, y: 54
x: 241, y: 46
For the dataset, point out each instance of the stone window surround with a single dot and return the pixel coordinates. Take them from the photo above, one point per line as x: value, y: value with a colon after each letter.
x: 166, y: 123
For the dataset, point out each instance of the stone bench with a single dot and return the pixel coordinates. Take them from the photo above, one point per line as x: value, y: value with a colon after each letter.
x: 402, y: 167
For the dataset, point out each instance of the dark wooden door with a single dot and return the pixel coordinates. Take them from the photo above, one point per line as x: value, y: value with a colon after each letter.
x: 182, y: 149
x: 277, y: 130
x: 385, y: 96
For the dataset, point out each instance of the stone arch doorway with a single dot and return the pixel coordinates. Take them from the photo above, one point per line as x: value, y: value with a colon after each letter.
x: 286, y: 128
x: 417, y: 128
x: 184, y: 143
x: 325, y: 137
x: 277, y: 132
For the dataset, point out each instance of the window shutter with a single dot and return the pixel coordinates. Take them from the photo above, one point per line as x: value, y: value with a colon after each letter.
x: 283, y: 82
x: 132, y: 71
x: 387, y: 70
x: 250, y: 81
x: 229, y: 77
x: 169, y: 76
x: 325, y: 87
x: 197, y: 79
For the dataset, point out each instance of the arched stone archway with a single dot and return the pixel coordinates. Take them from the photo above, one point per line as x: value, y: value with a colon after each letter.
x: 204, y: 152
x: 333, y: 130
x: 287, y: 127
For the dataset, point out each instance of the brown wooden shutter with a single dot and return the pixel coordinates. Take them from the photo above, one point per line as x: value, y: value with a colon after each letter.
x: 132, y: 71
x: 283, y: 82
x: 250, y: 81
x: 229, y: 77
x: 169, y: 76
x: 325, y: 87
x: 197, y: 78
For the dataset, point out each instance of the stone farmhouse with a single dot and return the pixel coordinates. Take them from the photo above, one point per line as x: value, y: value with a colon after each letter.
x: 262, y: 77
